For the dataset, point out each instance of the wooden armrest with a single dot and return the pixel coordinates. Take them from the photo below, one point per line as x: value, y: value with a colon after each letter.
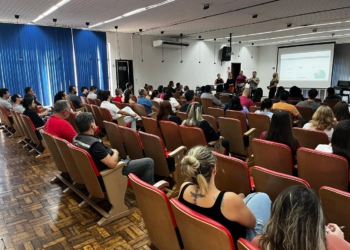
x: 106, y: 172
x: 82, y: 109
x: 153, y: 115
x: 250, y: 132
x: 212, y: 143
x: 161, y: 185
x: 40, y: 128
x: 177, y: 151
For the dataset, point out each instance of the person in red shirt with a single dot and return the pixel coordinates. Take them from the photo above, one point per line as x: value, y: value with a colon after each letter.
x: 245, y: 100
x: 119, y: 94
x: 57, y: 125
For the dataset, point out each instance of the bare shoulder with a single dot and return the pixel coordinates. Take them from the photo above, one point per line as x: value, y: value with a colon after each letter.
x: 184, y: 184
x: 232, y: 199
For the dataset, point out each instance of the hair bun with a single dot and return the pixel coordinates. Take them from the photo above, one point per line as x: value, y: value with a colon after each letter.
x: 190, y: 161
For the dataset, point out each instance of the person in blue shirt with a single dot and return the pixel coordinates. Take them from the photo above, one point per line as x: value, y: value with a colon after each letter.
x: 145, y: 102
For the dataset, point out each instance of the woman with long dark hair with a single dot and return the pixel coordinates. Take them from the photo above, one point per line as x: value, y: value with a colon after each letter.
x: 258, y: 94
x: 236, y: 105
x: 171, y: 86
x: 341, y: 111
x: 280, y: 131
x: 166, y: 113
x: 297, y: 222
x: 266, y: 107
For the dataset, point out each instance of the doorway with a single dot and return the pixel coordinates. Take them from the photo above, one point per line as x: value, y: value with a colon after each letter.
x: 125, y: 73
x: 235, y: 69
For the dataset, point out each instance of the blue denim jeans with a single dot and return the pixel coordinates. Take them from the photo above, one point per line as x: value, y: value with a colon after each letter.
x: 260, y: 205
x: 143, y: 168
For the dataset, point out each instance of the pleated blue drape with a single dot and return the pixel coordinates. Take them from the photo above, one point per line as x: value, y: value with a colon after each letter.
x: 43, y: 58
x: 91, y: 58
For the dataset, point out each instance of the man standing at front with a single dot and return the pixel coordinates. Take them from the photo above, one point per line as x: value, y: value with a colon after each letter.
x: 254, y: 82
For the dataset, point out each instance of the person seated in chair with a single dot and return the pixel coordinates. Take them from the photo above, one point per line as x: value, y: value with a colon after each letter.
x: 29, y: 105
x: 92, y: 94
x: 105, y: 157
x: 286, y: 106
x: 145, y: 102
x: 195, y: 119
x: 85, y: 91
x: 130, y: 116
x: 17, y: 103
x: 216, y: 102
x: 28, y: 91
x: 243, y: 217
x: 74, y: 98
x: 331, y: 94
x: 310, y: 102
x: 245, y: 100
x: 166, y: 114
x: 4, y: 96
x: 189, y: 95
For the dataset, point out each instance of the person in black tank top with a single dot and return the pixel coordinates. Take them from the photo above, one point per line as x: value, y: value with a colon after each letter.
x: 219, y: 83
x: 243, y: 217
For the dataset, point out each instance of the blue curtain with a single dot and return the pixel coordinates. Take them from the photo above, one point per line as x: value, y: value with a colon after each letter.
x: 91, y: 58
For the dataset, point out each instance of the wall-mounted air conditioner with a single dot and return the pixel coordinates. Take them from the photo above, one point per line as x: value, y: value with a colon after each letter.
x: 169, y: 44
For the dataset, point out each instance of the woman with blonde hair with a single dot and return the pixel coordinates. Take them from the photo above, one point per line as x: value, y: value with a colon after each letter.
x: 194, y: 118
x: 231, y: 210
x: 297, y: 222
x: 273, y: 85
x: 323, y: 120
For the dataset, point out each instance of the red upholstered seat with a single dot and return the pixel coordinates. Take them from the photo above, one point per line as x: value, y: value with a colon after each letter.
x: 244, y: 244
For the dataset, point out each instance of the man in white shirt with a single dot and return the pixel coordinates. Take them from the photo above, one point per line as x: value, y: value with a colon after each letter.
x: 4, y: 96
x: 130, y: 116
x: 92, y: 93
x: 17, y: 106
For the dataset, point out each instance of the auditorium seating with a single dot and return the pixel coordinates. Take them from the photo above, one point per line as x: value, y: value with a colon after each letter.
x: 260, y: 122
x: 71, y: 120
x: 216, y: 112
x: 74, y: 109
x: 198, y: 231
x: 239, y: 115
x: 310, y: 138
x: 336, y: 207
x: 243, y: 244
x: 115, y: 138
x: 225, y: 99
x: 151, y: 126
x: 182, y: 115
x: 305, y: 112
x: 193, y: 136
x: 83, y: 99
x: 88, y: 108
x: 17, y: 127
x: 106, y: 116
x: 97, y: 102
x: 98, y: 116
x: 118, y: 104
x: 240, y: 142
x: 166, y: 163
x: 273, y: 156
x: 114, y: 181
x: 273, y: 183
x: 165, y: 223
x: 232, y: 175
x: 5, y: 119
x: 176, y: 96
x: 132, y: 143
x: 24, y: 129
x: 156, y: 104
x: 330, y: 102
x: 206, y: 103
x: 323, y: 169
x: 252, y: 109
x: 141, y: 111
x: 90, y: 101
x: 212, y: 122
x: 171, y: 134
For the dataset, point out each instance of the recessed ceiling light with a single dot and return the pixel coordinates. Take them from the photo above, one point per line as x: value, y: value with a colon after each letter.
x: 52, y: 9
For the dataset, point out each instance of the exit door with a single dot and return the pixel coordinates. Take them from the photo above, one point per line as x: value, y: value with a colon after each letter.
x: 125, y: 73
x: 235, y: 69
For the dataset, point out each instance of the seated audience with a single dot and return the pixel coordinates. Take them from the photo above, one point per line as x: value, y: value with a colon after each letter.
x: 61, y: 95
x: 216, y: 102
x: 331, y: 94
x: 28, y: 91
x: 236, y: 105
x: 57, y: 124
x: 245, y: 100
x: 341, y: 111
x: 128, y: 93
x: 186, y: 88
x: 296, y: 92
x: 74, y: 98
x: 226, y: 91
x: 297, y: 222
x: 266, y: 107
x: 92, y: 94
x: 163, y: 93
x: 155, y: 96
x: 258, y: 95
x: 147, y: 92
x: 286, y: 106
x: 171, y: 86
x: 99, y: 95
x: 280, y: 131
x: 189, y: 95
x: 29, y: 105
x: 166, y: 113
x: 85, y: 91
x: 145, y: 102
x: 118, y: 95
x: 310, y: 102
x: 150, y: 90
x: 4, y: 96
x: 178, y: 88
x: 174, y: 103
x: 243, y: 217
x: 194, y: 119
x: 105, y: 157
x: 130, y: 116
x: 160, y: 89
x: 323, y: 120
x: 278, y: 93
x: 17, y: 103
x: 340, y: 143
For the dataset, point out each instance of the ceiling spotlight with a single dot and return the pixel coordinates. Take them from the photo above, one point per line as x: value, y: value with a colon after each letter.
x: 333, y: 34
x: 54, y: 20
x: 87, y: 23
x: 140, y: 30
x: 16, y: 16
x: 255, y: 16
x: 314, y: 30
x: 206, y: 6
x: 116, y: 27
x: 289, y: 25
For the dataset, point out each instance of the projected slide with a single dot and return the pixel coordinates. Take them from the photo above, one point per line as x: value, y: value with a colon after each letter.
x: 309, y: 66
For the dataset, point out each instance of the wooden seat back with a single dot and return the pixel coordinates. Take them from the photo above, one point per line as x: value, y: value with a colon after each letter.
x: 331, y: 102
x: 90, y: 101
x: 182, y: 115
x: 310, y: 138
x: 259, y: 121
x: 98, y: 116
x: 115, y: 138
x: 212, y: 122
x: 71, y: 120
x: 132, y: 143
x: 231, y: 130
x: 151, y: 126
x: 30, y: 128
x: 225, y: 99
x: 97, y: 102
x: 206, y: 103
x: 139, y: 109
x: 192, y: 136
x: 216, y: 112
x: 239, y: 115
x: 171, y: 134
x: 305, y: 112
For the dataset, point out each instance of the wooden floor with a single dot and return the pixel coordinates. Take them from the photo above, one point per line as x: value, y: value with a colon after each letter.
x: 35, y: 214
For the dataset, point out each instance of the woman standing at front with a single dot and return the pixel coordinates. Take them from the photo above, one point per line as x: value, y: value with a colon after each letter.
x: 219, y: 83
x: 273, y: 85
x: 230, y: 83
x: 240, y: 83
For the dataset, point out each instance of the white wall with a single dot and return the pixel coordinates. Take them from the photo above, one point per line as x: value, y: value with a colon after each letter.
x: 267, y: 64
x: 153, y: 72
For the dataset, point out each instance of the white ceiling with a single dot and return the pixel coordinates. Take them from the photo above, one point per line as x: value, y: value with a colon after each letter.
x: 188, y: 17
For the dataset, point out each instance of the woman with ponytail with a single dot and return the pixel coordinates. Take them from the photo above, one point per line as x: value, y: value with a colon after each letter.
x: 243, y: 217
